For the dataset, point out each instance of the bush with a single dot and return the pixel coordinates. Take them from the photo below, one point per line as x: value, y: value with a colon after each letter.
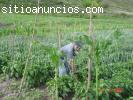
x: 15, y: 54
x: 40, y: 68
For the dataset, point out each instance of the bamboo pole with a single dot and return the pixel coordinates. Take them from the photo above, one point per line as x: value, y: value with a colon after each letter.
x: 59, y: 38
x: 29, y: 54
x: 58, y: 63
x: 90, y: 51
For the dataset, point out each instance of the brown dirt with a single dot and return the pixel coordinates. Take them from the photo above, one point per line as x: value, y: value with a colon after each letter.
x: 69, y: 97
x: 4, y: 89
x: 2, y: 25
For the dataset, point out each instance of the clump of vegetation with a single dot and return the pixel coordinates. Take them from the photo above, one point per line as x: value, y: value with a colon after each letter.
x: 88, y: 3
x: 14, y: 54
x: 110, y: 56
x: 114, y: 71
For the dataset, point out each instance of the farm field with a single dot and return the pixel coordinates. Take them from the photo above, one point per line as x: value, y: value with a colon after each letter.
x: 29, y: 58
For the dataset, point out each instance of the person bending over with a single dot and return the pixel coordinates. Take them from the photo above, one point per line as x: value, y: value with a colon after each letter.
x: 69, y: 51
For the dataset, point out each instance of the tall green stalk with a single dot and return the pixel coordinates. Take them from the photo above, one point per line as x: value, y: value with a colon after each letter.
x: 57, y: 64
x: 97, y: 72
x: 97, y: 82
x: 56, y: 84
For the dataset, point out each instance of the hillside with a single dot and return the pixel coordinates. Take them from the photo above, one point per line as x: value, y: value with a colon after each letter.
x: 119, y: 6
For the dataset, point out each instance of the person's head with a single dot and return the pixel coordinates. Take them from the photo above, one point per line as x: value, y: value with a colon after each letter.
x: 76, y: 47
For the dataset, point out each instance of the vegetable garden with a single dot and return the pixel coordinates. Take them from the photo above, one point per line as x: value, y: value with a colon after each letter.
x: 111, y: 73
x: 29, y: 55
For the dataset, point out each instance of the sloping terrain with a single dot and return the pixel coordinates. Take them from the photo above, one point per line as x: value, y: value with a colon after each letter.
x: 119, y: 6
x: 126, y: 5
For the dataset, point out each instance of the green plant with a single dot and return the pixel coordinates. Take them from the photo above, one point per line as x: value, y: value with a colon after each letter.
x: 65, y: 86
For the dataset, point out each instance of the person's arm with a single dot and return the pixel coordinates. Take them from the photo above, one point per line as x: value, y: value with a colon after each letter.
x: 72, y: 65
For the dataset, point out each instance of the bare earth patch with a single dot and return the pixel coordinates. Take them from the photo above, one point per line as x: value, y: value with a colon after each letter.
x: 9, y: 91
x: 2, y: 25
x: 5, y: 89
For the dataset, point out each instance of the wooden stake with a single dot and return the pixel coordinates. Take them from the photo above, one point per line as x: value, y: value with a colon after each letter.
x: 28, y: 56
x: 89, y: 51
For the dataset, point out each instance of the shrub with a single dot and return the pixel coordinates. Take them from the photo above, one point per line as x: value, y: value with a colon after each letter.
x: 15, y: 54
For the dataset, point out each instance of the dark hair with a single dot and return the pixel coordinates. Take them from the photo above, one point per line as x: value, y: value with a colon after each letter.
x: 78, y: 43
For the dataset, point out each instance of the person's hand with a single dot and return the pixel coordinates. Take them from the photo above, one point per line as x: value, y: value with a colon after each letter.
x: 72, y: 66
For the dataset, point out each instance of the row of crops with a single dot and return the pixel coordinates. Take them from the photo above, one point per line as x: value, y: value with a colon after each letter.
x: 112, y: 57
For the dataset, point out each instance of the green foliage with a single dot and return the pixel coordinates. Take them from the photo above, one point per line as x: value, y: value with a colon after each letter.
x: 113, y: 56
x: 117, y: 34
x: 114, y: 66
x: 65, y: 85
x: 14, y: 54
x: 40, y: 68
x: 90, y: 3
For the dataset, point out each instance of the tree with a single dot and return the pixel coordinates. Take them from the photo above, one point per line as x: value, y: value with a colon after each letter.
x: 88, y: 3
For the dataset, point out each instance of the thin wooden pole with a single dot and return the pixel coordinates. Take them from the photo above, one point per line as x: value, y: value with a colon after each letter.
x: 90, y: 51
x: 29, y: 55
x: 56, y: 68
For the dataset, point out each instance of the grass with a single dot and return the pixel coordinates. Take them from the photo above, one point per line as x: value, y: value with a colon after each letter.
x: 48, y: 24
